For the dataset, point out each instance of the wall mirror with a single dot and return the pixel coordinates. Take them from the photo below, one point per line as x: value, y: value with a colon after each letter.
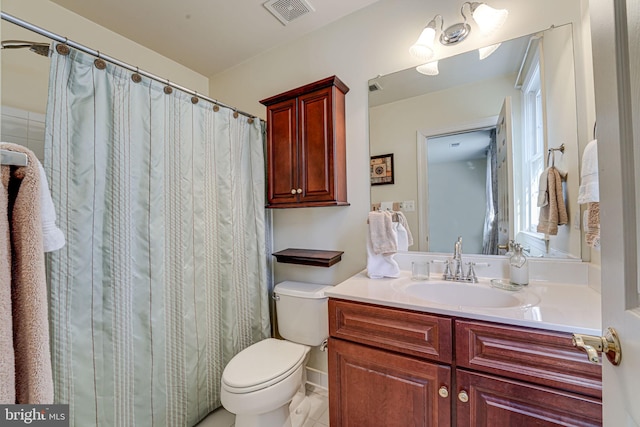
x: 440, y: 130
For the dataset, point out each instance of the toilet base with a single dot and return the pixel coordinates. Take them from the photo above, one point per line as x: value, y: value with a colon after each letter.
x: 280, y: 417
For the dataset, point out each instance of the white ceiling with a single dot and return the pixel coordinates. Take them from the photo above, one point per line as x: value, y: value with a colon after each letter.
x: 208, y: 36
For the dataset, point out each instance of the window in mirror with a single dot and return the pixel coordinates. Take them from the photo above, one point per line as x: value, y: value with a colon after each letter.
x: 532, y: 153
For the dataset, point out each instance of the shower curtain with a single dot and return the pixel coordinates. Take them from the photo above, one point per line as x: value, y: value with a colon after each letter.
x: 490, y: 229
x: 164, y: 275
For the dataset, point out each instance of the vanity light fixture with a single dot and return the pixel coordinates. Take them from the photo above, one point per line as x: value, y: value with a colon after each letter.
x: 487, y: 19
x: 429, y: 69
x: 484, y: 52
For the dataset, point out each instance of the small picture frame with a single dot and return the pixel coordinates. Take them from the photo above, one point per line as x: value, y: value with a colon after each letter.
x: 381, y: 168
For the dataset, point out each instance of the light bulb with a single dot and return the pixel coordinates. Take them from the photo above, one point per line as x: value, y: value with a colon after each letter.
x: 484, y: 52
x: 429, y: 69
x: 488, y: 18
x: 423, y: 47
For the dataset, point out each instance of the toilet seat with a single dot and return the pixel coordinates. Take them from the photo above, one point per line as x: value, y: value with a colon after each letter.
x: 263, y: 364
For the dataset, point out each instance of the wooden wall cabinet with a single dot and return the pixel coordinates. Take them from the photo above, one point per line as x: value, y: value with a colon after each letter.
x: 397, y: 367
x: 306, y: 146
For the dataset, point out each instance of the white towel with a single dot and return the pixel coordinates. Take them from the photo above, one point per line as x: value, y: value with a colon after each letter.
x: 403, y: 237
x: 589, y: 187
x: 402, y: 220
x: 52, y: 237
x: 543, y: 196
x: 380, y: 265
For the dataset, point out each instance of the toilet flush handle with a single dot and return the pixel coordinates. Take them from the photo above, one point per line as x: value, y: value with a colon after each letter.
x: 323, y: 346
x: 275, y: 297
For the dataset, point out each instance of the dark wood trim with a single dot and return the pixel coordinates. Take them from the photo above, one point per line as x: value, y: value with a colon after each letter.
x: 293, y: 93
x: 314, y: 257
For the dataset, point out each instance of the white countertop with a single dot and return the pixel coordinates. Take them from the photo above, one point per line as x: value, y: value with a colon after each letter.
x: 573, y: 308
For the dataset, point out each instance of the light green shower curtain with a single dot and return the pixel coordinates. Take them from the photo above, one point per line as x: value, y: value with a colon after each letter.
x: 164, y: 274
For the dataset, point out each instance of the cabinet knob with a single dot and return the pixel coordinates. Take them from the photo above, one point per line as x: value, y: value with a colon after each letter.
x: 463, y: 396
x: 299, y: 190
x: 444, y: 391
x: 293, y: 191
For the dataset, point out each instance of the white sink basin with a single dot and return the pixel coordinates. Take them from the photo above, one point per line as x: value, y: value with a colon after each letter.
x: 468, y: 295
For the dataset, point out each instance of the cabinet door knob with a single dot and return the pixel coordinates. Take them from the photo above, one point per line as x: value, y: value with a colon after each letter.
x: 293, y: 191
x: 444, y: 391
x: 299, y: 190
x: 463, y: 396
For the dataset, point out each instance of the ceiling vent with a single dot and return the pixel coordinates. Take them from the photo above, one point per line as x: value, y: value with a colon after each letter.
x: 288, y: 10
x: 374, y: 87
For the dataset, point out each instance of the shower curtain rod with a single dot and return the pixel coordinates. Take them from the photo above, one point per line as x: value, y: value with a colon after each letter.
x: 19, y: 22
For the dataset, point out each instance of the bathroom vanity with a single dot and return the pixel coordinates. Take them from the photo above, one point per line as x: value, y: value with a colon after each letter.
x: 396, y: 359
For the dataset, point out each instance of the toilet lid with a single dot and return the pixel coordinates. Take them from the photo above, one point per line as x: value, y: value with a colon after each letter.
x: 262, y: 364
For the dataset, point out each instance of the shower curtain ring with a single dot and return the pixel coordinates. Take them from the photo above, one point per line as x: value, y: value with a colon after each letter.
x: 136, y: 77
x: 168, y: 89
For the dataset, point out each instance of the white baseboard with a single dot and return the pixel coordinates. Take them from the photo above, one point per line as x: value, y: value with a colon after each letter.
x: 317, y: 378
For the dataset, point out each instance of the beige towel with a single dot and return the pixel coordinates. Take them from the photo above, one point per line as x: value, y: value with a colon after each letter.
x: 7, y: 362
x: 555, y: 212
x: 384, y: 239
x: 28, y: 334
x: 592, y: 227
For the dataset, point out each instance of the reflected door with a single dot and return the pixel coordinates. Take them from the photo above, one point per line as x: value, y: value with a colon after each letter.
x: 505, y: 185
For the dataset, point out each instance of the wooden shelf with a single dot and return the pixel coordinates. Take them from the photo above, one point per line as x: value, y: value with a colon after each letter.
x: 318, y: 258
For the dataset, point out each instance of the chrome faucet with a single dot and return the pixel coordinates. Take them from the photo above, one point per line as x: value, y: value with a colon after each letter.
x: 457, y: 260
x: 453, y: 268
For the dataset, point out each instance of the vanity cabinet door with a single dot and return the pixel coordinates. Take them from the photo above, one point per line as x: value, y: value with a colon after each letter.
x: 542, y: 357
x: 371, y: 387
x: 488, y: 401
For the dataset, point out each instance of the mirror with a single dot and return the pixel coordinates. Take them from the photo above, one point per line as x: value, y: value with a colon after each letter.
x: 419, y: 119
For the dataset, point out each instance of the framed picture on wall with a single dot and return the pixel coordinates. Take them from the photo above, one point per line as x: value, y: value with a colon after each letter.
x: 382, y: 169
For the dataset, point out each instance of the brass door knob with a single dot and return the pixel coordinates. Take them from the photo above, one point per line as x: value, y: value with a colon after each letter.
x: 609, y: 344
x: 463, y: 396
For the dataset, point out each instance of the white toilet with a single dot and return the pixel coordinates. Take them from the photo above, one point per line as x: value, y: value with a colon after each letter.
x: 259, y: 383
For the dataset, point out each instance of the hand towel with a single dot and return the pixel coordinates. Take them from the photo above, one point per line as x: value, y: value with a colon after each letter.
x: 543, y: 195
x: 403, y: 237
x: 380, y: 265
x: 402, y: 220
x: 28, y: 335
x: 52, y: 237
x: 592, y: 225
x: 555, y: 212
x: 384, y: 239
x: 589, y: 180
x: 7, y: 359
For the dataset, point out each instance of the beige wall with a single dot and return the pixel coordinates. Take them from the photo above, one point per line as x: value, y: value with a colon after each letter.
x: 25, y: 75
x: 371, y: 42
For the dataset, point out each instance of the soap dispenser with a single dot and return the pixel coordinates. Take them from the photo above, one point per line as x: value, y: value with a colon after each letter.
x: 518, y: 266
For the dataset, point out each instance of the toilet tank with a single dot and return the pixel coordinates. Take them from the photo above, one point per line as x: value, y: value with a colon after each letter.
x: 302, y: 312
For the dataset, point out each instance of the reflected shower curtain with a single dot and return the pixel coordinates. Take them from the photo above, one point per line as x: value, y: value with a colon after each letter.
x: 164, y: 276
x: 490, y: 230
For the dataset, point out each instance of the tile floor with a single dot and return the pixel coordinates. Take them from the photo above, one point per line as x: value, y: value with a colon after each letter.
x: 318, y: 413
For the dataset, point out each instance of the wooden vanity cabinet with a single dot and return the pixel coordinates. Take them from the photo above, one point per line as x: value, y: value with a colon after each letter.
x: 525, y: 377
x: 384, y: 367
x: 391, y: 367
x: 306, y: 146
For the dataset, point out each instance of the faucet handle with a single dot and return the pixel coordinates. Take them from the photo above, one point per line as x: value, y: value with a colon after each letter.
x: 446, y: 274
x: 471, y: 273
